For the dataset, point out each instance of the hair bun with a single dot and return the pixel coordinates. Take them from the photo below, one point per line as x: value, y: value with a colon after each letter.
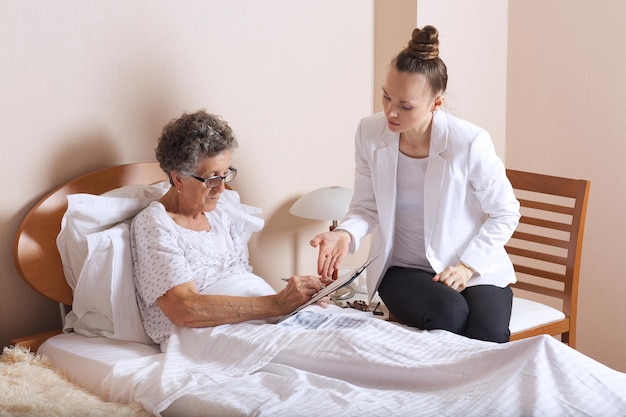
x: 424, y: 43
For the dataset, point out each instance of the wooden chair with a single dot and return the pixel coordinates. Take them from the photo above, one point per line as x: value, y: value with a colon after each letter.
x: 546, y: 249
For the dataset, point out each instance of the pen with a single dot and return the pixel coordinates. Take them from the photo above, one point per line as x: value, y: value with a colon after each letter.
x: 287, y: 280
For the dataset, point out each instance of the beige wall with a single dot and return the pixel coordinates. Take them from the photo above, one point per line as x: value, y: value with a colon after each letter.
x: 473, y: 44
x: 86, y: 85
x: 393, y: 27
x: 565, y: 116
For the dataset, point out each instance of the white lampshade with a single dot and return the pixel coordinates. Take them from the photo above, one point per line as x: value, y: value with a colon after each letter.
x: 328, y: 203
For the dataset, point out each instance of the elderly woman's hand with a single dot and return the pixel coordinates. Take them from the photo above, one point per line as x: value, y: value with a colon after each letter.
x: 299, y: 290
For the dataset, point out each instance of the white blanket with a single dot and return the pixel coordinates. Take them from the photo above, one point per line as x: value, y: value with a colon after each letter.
x: 346, y: 365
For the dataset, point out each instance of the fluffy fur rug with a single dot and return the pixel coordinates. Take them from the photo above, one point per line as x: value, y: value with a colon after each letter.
x: 31, y: 386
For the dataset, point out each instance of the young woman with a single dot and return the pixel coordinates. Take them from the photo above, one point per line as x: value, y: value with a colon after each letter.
x: 435, y: 196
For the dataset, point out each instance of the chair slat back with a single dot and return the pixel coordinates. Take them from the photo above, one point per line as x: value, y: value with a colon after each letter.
x: 546, y: 247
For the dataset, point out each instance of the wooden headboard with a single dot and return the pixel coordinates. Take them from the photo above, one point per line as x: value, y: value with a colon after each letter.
x: 35, y: 252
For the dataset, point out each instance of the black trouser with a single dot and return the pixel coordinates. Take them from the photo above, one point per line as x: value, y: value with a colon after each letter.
x: 480, y: 312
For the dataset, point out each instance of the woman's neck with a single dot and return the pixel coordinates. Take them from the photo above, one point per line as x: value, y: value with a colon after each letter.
x: 415, y: 144
x: 194, y: 221
x: 170, y: 201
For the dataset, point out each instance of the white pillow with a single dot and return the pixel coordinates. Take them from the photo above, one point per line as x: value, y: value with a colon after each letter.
x: 94, y: 246
x: 104, y: 298
x: 88, y: 213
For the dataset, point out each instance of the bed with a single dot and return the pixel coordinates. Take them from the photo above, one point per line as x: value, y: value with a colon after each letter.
x: 71, y: 247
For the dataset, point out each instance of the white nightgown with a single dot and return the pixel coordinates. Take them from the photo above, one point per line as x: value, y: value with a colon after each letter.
x: 166, y: 255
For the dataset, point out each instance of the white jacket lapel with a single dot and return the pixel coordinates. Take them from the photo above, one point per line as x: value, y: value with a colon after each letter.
x: 434, y: 173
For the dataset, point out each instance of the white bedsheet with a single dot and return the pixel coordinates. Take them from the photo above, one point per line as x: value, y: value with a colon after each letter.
x: 91, y: 362
x: 321, y: 364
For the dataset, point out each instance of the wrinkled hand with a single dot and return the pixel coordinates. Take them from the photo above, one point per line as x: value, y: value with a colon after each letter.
x: 333, y: 247
x: 455, y: 277
x: 323, y: 302
x: 299, y: 290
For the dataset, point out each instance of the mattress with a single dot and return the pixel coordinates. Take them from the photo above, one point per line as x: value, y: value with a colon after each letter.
x: 90, y: 361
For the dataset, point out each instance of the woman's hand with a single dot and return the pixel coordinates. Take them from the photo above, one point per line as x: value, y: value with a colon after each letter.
x: 455, y: 277
x: 299, y: 290
x: 333, y: 247
x: 323, y: 302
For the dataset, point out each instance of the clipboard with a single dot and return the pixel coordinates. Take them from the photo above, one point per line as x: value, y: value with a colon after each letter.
x: 341, y: 281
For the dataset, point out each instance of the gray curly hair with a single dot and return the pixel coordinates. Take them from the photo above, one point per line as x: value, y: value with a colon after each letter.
x: 184, y: 141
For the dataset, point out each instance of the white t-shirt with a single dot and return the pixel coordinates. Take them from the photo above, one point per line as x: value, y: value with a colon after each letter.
x: 409, y: 244
x: 166, y: 255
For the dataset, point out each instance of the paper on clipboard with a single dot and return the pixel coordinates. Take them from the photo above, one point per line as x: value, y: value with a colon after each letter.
x: 341, y: 281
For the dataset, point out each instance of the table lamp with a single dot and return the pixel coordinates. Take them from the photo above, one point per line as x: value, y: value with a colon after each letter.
x: 328, y: 203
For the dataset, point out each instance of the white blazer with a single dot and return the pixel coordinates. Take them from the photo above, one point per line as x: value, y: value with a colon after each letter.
x: 470, y: 210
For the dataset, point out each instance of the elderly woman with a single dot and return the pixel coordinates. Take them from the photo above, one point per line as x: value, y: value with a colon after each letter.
x: 190, y: 265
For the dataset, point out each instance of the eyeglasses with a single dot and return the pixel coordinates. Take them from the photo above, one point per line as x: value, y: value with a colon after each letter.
x: 215, y: 181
